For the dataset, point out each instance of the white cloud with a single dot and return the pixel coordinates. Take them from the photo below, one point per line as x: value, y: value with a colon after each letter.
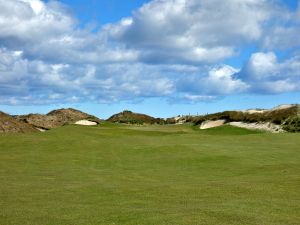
x: 284, y: 32
x: 25, y: 81
x: 12, y: 66
x: 36, y: 5
x: 32, y: 20
x: 282, y: 37
x: 262, y: 65
x: 45, y: 31
x: 192, y: 30
x: 218, y: 81
x: 197, y: 98
x: 265, y: 74
x: 167, y: 48
x: 222, y: 81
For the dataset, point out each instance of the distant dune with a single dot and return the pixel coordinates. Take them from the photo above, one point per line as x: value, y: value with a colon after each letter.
x: 57, y: 118
x: 278, y: 119
x: 133, y: 118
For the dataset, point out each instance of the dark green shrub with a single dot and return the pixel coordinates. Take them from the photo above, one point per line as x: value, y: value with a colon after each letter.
x: 292, y: 124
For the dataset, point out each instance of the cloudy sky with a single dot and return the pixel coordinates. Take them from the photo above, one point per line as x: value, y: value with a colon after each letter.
x: 161, y: 57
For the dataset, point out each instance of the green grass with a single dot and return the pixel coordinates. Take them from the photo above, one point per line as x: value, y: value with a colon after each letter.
x: 149, y: 175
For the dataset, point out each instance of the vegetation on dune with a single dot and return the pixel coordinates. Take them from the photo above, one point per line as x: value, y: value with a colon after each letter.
x: 166, y: 175
x: 8, y: 124
x: 287, y: 117
x: 56, y: 118
x: 292, y: 124
x: 129, y: 117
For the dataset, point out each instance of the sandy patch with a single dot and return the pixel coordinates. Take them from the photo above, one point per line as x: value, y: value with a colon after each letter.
x: 41, y: 129
x: 210, y: 124
x: 252, y: 111
x: 86, y: 123
x: 179, y: 120
x: 285, y: 106
x: 270, y: 127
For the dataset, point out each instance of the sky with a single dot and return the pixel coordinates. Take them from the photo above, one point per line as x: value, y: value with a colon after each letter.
x: 159, y: 57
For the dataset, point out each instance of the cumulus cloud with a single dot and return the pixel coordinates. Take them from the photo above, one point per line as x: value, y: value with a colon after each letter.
x: 173, y: 49
x: 46, y: 31
x: 284, y: 33
x: 12, y: 66
x: 197, y: 98
x: 192, y: 30
x: 57, y: 83
x: 23, y: 21
x: 265, y: 74
x: 282, y: 37
x: 219, y: 81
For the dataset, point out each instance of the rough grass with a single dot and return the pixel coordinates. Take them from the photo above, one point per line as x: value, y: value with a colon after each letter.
x: 149, y: 175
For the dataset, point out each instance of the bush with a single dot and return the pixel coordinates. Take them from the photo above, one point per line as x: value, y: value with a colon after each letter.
x: 292, y: 124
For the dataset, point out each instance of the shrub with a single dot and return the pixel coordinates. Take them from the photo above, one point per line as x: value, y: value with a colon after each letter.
x: 292, y: 124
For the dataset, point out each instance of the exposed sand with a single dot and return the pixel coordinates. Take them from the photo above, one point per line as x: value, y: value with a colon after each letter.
x: 41, y: 129
x: 86, y: 123
x: 210, y: 124
x: 251, y: 111
x: 285, y: 106
x: 179, y: 120
x: 270, y: 127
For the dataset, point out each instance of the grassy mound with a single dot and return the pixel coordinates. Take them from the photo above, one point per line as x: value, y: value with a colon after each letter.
x: 129, y: 117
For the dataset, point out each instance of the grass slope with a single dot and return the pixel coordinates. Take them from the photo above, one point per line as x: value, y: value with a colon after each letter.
x: 149, y: 175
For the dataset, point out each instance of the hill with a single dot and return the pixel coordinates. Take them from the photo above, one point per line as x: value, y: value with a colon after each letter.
x: 8, y: 124
x: 56, y: 118
x: 70, y: 115
x: 129, y: 117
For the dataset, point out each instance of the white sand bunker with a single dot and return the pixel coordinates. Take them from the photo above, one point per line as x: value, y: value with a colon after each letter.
x: 86, y: 123
x: 270, y: 127
x: 210, y: 124
x: 40, y: 129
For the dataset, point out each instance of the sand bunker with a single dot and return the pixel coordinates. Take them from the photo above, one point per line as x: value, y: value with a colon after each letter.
x: 40, y: 129
x: 210, y: 124
x: 270, y: 127
x: 86, y: 123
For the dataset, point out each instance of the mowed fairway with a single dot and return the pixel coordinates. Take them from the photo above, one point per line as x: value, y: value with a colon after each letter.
x: 149, y: 175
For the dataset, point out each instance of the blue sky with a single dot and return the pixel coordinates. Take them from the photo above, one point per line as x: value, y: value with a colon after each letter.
x: 160, y: 57
x: 102, y: 11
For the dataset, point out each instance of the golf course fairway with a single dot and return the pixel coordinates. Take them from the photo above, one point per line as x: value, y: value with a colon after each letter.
x: 149, y: 175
